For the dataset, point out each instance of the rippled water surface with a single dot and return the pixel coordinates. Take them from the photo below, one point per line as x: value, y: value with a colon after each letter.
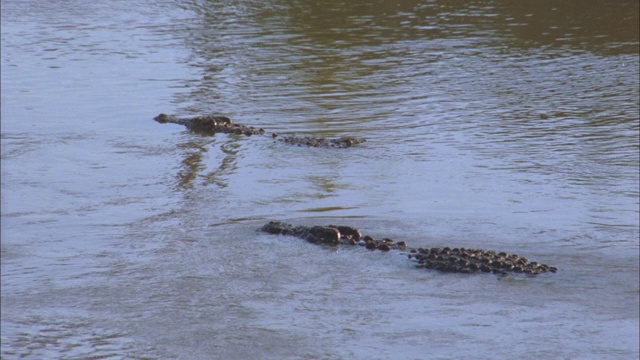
x: 511, y: 126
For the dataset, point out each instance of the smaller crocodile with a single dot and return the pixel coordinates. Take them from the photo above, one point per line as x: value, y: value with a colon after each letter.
x: 212, y: 124
x: 457, y: 260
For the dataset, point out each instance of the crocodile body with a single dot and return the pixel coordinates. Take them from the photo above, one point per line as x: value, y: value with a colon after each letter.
x: 455, y: 260
x: 212, y: 124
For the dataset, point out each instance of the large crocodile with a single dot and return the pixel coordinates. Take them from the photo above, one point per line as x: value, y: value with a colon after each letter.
x: 212, y: 124
x: 459, y: 260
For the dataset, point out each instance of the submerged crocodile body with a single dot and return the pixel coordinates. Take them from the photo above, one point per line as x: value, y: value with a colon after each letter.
x: 457, y: 260
x: 212, y: 124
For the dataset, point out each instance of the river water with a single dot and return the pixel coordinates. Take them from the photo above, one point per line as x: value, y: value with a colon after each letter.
x: 511, y: 126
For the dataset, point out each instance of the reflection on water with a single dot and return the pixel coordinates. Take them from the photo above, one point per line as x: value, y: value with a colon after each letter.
x: 490, y: 124
x: 336, y: 54
x: 193, y: 165
x: 543, y: 89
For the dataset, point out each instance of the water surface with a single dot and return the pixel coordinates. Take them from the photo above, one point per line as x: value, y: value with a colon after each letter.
x: 490, y: 125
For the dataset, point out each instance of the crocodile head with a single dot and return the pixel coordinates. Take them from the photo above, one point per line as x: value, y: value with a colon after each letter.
x: 163, y: 118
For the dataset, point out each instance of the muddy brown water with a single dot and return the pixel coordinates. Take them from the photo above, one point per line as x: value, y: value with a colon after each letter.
x: 490, y: 124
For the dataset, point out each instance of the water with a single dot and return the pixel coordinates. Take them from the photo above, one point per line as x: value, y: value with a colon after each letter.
x: 490, y: 125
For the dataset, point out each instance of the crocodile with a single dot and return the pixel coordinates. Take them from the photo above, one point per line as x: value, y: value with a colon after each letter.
x: 212, y: 124
x: 446, y: 259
